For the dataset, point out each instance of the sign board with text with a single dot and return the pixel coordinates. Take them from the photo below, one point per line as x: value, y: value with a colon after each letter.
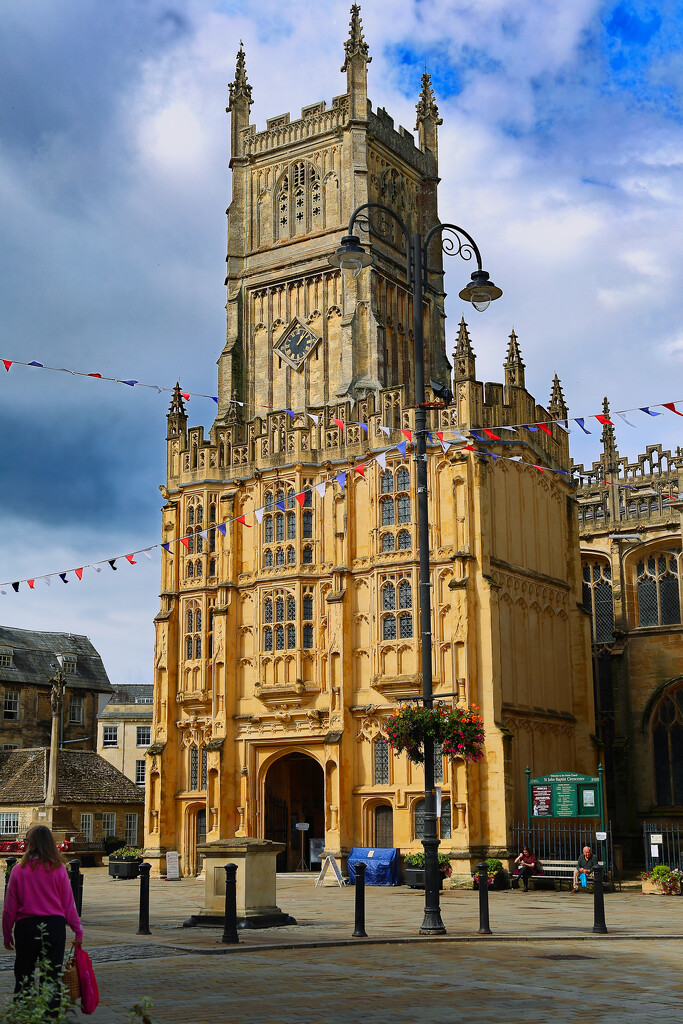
x: 565, y: 795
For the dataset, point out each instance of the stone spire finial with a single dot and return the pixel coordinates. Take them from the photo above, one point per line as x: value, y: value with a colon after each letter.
x: 557, y: 406
x: 514, y: 366
x: 240, y: 87
x: 176, y: 420
x: 463, y: 356
x: 177, y: 407
x: 426, y: 105
x: 610, y: 453
x: 355, y: 45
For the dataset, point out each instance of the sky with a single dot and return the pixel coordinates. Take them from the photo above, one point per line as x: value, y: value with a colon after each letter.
x: 561, y: 151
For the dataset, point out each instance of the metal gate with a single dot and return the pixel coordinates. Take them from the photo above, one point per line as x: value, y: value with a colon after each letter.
x: 667, y: 839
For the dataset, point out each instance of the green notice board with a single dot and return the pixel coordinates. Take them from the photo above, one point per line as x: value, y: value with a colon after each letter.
x: 565, y: 795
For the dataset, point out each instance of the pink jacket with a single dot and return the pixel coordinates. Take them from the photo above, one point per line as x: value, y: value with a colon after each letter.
x: 37, y: 892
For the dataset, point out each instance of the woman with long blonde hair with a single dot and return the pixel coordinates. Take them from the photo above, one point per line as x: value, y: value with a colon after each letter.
x: 38, y: 905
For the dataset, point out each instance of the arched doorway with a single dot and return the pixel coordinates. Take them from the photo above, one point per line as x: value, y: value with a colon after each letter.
x: 294, y: 793
x: 384, y: 825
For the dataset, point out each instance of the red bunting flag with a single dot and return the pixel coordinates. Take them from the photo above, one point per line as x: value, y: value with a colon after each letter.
x: 605, y: 420
x: 31, y: 583
x: 243, y: 521
x: 128, y: 557
x: 300, y: 497
x: 79, y: 573
x: 469, y: 448
x: 360, y: 468
x: 534, y: 466
x: 489, y: 433
x: 340, y: 423
x: 408, y: 434
x: 95, y: 375
x: 667, y: 405
x: 544, y: 428
x: 439, y: 434
x: 8, y: 363
x: 186, y: 395
x: 184, y: 540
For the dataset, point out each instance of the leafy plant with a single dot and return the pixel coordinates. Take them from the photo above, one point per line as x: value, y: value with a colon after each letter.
x: 459, y: 731
x: 141, y: 1011
x: 493, y: 866
x: 33, y: 1004
x: 129, y: 852
x: 668, y: 878
x: 417, y: 860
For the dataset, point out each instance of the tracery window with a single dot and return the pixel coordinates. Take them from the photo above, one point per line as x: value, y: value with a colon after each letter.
x: 291, y: 556
x: 388, y: 516
x: 445, y: 823
x: 298, y: 201
x: 397, y: 626
x: 387, y: 482
x: 307, y: 553
x: 658, y: 585
x: 279, y: 557
x: 307, y: 524
x: 404, y: 540
x: 395, y: 507
x: 291, y: 526
x: 667, y: 748
x: 268, y: 558
x: 194, y: 768
x: 387, y: 542
x: 597, y: 598
x: 193, y: 630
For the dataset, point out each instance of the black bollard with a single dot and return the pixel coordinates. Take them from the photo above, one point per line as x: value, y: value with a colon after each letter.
x: 359, y: 931
x: 599, y: 926
x: 230, y: 926
x: 76, y: 884
x: 484, y: 928
x: 143, y: 920
x: 11, y: 861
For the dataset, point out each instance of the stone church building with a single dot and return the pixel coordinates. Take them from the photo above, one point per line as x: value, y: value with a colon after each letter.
x: 289, y: 622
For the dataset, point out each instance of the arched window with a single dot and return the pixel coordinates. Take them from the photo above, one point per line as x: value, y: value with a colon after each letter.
x: 212, y: 540
x: 403, y: 503
x: 388, y: 597
x: 404, y: 540
x: 380, y: 750
x: 189, y: 647
x: 210, y: 633
x: 190, y: 542
x: 279, y: 638
x: 279, y: 527
x: 308, y: 606
x: 419, y: 819
x: 268, y: 639
x: 199, y: 542
x: 200, y: 514
x: 268, y: 610
x: 389, y: 627
x: 658, y: 586
x: 190, y: 621
x: 198, y: 568
x: 291, y: 526
x: 667, y: 748
x: 268, y: 530
x: 268, y: 558
x: 387, y: 542
x: 291, y: 556
x: 190, y: 515
x: 290, y: 498
x: 197, y: 647
x: 308, y: 496
x: 445, y: 828
x: 403, y: 479
x: 212, y: 513
x: 405, y: 594
x: 190, y: 570
x: 212, y: 567
x: 193, y: 624
x: 194, y: 768
x: 279, y: 557
x: 388, y: 512
x: 291, y: 637
x: 308, y: 555
x: 387, y: 482
x: 291, y: 609
x: 597, y: 599
x: 308, y: 635
x: 307, y: 525
x: 279, y: 609
x: 405, y: 626
x: 268, y: 502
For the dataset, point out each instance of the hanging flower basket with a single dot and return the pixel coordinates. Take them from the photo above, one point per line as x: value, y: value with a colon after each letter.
x: 459, y: 731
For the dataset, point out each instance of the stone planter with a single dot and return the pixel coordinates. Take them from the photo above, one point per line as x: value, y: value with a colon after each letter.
x: 415, y: 878
x: 654, y: 888
x: 124, y: 868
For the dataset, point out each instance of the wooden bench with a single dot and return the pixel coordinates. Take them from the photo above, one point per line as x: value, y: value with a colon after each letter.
x: 556, y: 871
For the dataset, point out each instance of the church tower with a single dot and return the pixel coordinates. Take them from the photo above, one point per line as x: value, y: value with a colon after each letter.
x: 288, y: 626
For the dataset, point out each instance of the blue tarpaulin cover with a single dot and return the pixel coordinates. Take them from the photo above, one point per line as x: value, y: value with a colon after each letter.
x: 383, y: 867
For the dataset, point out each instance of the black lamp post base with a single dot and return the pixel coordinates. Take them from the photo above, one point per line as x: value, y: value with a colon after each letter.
x: 432, y: 923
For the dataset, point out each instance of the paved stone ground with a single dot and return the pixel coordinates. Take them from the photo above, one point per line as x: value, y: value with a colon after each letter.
x: 541, y: 964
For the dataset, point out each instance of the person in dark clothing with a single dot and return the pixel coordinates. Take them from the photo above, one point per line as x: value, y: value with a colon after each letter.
x: 585, y: 865
x: 527, y: 865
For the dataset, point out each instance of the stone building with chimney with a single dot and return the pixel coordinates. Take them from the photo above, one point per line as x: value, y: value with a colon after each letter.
x: 288, y: 626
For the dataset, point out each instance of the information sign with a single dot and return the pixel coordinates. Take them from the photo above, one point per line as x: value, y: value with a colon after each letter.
x: 542, y: 801
x: 565, y: 795
x: 330, y: 861
x: 172, y: 866
x: 565, y: 804
x: 656, y: 838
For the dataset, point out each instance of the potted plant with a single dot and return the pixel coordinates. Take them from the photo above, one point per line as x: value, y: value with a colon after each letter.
x: 459, y: 731
x: 496, y: 874
x: 125, y: 863
x: 662, y: 881
x: 415, y: 869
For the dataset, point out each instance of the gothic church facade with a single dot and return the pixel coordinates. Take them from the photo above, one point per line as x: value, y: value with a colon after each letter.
x: 288, y: 627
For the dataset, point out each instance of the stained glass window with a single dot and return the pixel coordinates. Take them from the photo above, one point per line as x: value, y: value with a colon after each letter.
x: 667, y: 743
x: 194, y: 768
x: 404, y: 541
x: 406, y: 626
x: 387, y: 482
x: 388, y: 596
x: 268, y: 530
x: 268, y: 558
x: 308, y: 606
x: 268, y: 639
x: 403, y: 502
x: 291, y: 608
x: 279, y: 609
x: 405, y: 594
x: 308, y: 635
x: 291, y: 526
x: 308, y: 555
x: 419, y: 818
x: 381, y: 761
x: 291, y: 637
x: 446, y: 826
x: 291, y: 556
x: 388, y: 512
x: 279, y: 638
x: 388, y: 542
x: 279, y: 527
x: 307, y: 525
x: 403, y: 479
x: 204, y: 772
x: 389, y: 628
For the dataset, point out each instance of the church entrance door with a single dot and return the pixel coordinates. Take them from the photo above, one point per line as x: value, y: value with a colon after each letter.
x: 384, y: 826
x: 294, y: 793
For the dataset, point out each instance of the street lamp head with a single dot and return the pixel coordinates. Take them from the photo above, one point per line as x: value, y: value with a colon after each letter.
x: 350, y: 257
x: 481, y: 292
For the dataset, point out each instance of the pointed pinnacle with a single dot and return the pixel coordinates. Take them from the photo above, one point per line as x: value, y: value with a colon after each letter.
x: 177, y: 407
x: 557, y: 405
x: 355, y: 45
x: 426, y: 105
x: 514, y: 356
x: 463, y: 345
x: 240, y: 86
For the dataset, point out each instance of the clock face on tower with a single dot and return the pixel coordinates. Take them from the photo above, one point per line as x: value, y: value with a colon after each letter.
x: 295, y: 343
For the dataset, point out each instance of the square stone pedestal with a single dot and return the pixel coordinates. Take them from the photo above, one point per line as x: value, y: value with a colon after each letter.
x: 255, y: 860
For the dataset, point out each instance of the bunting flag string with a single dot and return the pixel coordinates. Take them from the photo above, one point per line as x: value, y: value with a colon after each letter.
x: 339, y: 478
x: 543, y: 425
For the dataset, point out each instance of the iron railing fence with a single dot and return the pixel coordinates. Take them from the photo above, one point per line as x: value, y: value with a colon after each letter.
x: 560, y: 840
x: 669, y: 848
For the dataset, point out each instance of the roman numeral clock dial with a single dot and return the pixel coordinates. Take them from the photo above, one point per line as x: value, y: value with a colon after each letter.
x: 296, y: 343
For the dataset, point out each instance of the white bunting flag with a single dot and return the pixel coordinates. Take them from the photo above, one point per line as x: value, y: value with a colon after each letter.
x: 320, y: 488
x: 258, y: 512
x: 381, y: 460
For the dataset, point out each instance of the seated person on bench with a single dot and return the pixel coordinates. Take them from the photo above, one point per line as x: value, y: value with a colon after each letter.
x: 585, y: 865
x: 527, y: 865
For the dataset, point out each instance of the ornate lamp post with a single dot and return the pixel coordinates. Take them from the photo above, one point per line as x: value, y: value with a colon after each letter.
x: 351, y: 258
